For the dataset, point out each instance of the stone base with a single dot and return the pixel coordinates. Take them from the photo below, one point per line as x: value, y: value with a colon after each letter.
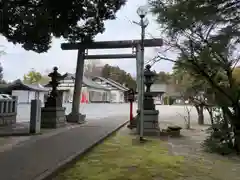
x: 174, y: 130
x: 76, y: 118
x: 8, y: 119
x: 53, y: 117
x: 165, y: 132
x: 150, y: 123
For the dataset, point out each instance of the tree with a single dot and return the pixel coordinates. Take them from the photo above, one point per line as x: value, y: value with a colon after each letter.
x: 1, y: 75
x: 45, y: 79
x: 186, y: 15
x: 163, y: 77
x: 93, y: 68
x: 2, y: 52
x: 118, y: 75
x: 33, y: 77
x: 130, y: 82
x: 206, y: 35
x: 236, y: 74
x: 106, y: 71
x: 194, y: 89
x: 34, y: 23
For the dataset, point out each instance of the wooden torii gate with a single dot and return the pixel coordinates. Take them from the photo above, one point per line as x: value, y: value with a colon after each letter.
x: 75, y: 115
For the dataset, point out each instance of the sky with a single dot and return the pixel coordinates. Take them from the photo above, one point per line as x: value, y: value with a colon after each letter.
x: 17, y: 61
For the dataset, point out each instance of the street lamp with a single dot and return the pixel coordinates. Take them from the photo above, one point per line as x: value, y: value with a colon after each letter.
x: 142, y: 12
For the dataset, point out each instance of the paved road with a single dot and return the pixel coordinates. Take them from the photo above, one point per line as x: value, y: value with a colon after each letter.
x: 93, y: 111
x: 175, y: 114
x: 96, y: 111
x: 31, y: 159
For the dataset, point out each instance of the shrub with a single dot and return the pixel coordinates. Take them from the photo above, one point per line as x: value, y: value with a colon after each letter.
x: 220, y: 139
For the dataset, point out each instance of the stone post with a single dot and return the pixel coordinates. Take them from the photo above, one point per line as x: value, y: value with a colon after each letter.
x: 1, y: 106
x: 7, y: 106
x: 15, y: 103
x: 35, y: 116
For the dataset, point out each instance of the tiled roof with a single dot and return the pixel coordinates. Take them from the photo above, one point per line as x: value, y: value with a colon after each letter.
x: 117, y: 83
x: 87, y: 82
x: 111, y: 83
x: 19, y: 85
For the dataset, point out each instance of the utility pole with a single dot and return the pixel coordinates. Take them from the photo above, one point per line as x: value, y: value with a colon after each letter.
x: 142, y: 12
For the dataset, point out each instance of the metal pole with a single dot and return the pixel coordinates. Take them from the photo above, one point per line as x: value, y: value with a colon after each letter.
x: 138, y: 60
x: 141, y: 79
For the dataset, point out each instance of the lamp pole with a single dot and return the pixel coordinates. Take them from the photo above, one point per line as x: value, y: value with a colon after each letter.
x: 142, y: 11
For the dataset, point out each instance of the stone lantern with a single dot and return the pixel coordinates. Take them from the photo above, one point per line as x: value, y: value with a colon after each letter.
x: 148, y: 97
x: 150, y: 121
x: 54, y: 98
x: 53, y: 114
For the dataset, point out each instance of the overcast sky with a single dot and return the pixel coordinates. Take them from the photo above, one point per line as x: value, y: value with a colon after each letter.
x: 17, y: 61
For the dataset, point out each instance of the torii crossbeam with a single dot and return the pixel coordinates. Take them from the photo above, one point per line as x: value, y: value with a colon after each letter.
x: 111, y: 44
x: 75, y: 115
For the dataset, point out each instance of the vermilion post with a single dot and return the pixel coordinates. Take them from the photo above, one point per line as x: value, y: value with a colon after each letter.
x: 131, y: 111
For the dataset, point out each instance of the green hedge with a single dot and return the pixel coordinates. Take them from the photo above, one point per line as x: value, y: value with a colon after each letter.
x: 168, y: 100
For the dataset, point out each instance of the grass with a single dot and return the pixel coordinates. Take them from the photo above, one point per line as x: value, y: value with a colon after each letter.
x: 121, y: 158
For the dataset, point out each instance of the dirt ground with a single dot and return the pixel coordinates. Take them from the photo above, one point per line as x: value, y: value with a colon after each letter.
x: 189, y: 146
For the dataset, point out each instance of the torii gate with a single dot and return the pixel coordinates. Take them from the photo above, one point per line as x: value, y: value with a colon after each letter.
x: 75, y: 115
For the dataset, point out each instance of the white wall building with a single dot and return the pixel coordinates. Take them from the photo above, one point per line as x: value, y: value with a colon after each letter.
x: 158, y: 91
x: 117, y: 90
x: 25, y: 97
x: 27, y: 92
x: 91, y: 91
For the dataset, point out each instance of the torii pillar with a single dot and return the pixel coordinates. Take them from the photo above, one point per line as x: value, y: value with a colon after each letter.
x: 75, y: 115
